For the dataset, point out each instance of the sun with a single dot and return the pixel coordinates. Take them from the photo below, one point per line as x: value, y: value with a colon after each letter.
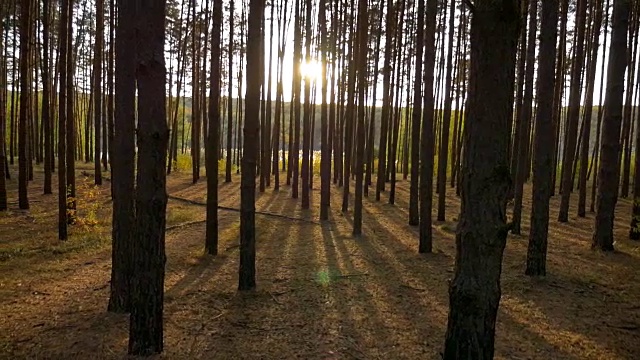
x: 311, y: 69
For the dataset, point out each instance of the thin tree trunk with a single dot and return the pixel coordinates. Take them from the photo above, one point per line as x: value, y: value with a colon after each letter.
x: 426, y: 146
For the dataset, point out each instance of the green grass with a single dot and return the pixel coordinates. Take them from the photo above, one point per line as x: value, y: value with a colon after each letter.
x: 75, y: 244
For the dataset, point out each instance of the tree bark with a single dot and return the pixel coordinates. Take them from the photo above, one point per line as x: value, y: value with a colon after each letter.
x: 123, y: 165
x: 574, y: 113
x: 97, y: 87
x: 426, y: 146
x: 474, y: 293
x: 247, y: 274
x: 522, y: 150
x: 145, y: 332
x: 213, y: 141
x: 609, y: 171
x: 543, y: 141
x: 414, y: 216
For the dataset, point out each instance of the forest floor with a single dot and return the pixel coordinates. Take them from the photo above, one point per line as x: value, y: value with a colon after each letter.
x: 322, y: 294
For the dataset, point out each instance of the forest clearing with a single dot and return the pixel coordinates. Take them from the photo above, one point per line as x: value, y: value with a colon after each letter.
x: 322, y: 293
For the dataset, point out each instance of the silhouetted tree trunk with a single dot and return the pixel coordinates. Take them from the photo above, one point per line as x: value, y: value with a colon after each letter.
x: 47, y: 119
x: 97, y: 87
x: 145, y: 332
x: 25, y: 99
x: 386, y: 102
x: 574, y: 113
x: 325, y: 157
x: 414, y: 217
x: 71, y: 122
x: 427, y: 146
x: 363, y: 46
x: 627, y: 120
x: 247, y: 275
x: 306, y: 127
x: 213, y: 141
x: 544, y: 139
x: 443, y: 156
x: 123, y: 165
x: 522, y: 149
x: 588, y: 111
x: 609, y: 171
x: 297, y: 57
x: 474, y: 292
x: 227, y: 173
x: 63, y: 58
x: 596, y: 149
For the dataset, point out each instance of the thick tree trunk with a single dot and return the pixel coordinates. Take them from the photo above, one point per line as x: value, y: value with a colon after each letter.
x: 247, y: 275
x: 543, y: 141
x: 474, y: 293
x: 123, y: 165
x: 145, y: 332
x: 609, y: 171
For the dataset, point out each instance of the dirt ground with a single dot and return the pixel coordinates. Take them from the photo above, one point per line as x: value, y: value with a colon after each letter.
x: 322, y: 294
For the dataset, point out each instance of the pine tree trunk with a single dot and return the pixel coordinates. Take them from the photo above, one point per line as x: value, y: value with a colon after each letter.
x: 574, y: 113
x: 146, y: 324
x: 586, y: 133
x: 426, y: 146
x: 521, y: 152
x: 414, y: 217
x: 543, y: 141
x: 363, y: 46
x: 325, y: 158
x: 97, y: 87
x: 71, y: 122
x: 47, y: 120
x: 25, y: 49
x: 213, y: 142
x: 306, y: 128
x: 387, y: 101
x: 227, y: 172
x: 474, y: 293
x: 63, y: 58
x: 247, y: 275
x: 123, y: 165
x: 443, y: 156
x: 609, y: 171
